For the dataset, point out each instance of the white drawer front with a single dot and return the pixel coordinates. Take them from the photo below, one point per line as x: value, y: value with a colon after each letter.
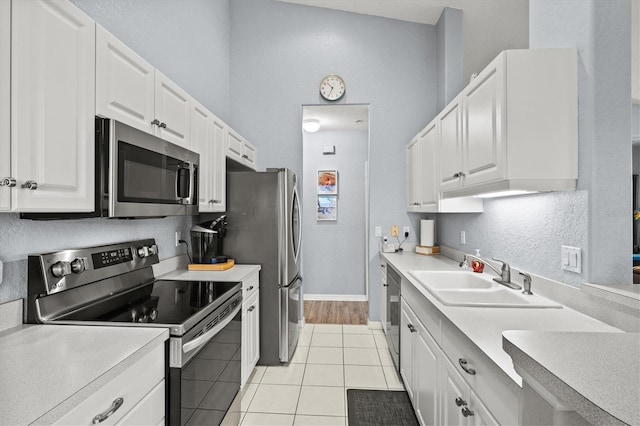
x: 149, y: 411
x: 494, y: 387
x: 132, y: 385
x: 250, y: 286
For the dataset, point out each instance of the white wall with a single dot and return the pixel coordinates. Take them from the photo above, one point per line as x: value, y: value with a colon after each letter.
x: 333, y: 252
x: 450, y: 55
x: 279, y: 54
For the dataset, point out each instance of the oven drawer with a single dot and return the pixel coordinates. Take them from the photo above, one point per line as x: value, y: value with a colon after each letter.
x: 132, y: 385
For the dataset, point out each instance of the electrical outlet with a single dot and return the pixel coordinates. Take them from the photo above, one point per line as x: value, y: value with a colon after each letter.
x: 178, y: 238
x: 406, y: 230
x: 463, y: 238
x: 394, y: 231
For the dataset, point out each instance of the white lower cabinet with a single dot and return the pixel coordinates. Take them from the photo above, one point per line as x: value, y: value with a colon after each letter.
x: 250, y: 326
x: 134, y: 397
x: 383, y: 294
x: 448, y: 379
x: 419, y: 366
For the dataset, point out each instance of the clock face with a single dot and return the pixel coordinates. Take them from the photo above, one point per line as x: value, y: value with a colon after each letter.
x: 332, y: 87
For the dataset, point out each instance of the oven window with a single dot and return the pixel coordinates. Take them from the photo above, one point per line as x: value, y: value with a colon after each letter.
x: 145, y: 176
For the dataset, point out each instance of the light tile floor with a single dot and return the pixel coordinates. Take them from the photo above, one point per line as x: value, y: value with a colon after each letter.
x: 312, y: 388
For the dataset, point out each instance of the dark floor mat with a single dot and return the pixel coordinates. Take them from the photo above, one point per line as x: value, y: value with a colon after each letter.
x: 379, y: 407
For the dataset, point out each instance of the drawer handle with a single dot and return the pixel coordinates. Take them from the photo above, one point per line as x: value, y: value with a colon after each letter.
x: 463, y: 364
x: 250, y: 288
x: 117, y: 403
x: 466, y: 412
x: 411, y: 328
x: 460, y: 402
x: 251, y: 308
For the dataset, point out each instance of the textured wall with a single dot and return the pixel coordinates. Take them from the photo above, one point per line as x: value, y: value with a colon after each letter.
x: 333, y: 253
x: 279, y: 54
x: 528, y: 231
x: 187, y: 40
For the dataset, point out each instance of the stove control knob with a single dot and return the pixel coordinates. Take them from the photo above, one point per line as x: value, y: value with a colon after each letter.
x: 143, y: 318
x: 153, y: 250
x: 146, y: 251
x: 153, y: 314
x: 60, y: 269
x: 77, y: 266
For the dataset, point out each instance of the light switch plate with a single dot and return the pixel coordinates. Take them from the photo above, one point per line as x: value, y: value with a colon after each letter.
x: 571, y: 259
x: 378, y: 231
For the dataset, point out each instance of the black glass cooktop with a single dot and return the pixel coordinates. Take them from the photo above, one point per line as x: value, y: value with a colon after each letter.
x: 160, y: 302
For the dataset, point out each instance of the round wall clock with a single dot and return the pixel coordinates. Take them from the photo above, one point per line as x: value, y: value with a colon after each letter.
x: 332, y: 87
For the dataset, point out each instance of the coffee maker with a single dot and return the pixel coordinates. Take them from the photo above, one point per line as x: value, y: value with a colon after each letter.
x: 206, y: 240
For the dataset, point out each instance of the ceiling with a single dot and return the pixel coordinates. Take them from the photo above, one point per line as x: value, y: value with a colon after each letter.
x: 338, y: 117
x: 420, y: 11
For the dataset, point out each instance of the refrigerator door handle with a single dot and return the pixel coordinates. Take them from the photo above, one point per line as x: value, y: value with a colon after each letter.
x: 296, y: 200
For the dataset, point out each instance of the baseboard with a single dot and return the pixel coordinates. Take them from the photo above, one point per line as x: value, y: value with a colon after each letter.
x: 337, y: 297
x: 374, y: 325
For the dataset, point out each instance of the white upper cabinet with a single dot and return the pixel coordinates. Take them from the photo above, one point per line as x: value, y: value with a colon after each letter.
x: 130, y: 90
x: 208, y: 134
x: 173, y: 110
x: 52, y: 107
x: 125, y: 83
x: 241, y: 150
x: 519, y: 121
x: 5, y: 106
x: 423, y: 183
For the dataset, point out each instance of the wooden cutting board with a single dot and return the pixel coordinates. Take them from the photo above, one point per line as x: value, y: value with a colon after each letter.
x: 212, y: 266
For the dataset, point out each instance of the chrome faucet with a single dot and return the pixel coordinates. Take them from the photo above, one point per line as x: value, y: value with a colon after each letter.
x: 504, y: 272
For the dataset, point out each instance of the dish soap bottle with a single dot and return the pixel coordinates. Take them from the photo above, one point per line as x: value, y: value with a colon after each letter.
x: 476, y: 264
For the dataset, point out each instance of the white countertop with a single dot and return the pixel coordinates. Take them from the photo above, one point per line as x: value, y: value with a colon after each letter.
x: 595, y: 374
x: 484, y: 326
x: 46, y: 370
x: 237, y: 273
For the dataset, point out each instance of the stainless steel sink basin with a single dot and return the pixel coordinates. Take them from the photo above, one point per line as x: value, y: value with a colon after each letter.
x: 466, y: 288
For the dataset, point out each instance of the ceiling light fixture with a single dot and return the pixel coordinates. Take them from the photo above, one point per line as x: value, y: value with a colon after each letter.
x: 311, y: 125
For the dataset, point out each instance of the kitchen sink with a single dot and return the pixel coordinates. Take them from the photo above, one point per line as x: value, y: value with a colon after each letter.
x: 466, y: 288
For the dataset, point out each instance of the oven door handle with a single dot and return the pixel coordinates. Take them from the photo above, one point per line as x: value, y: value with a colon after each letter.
x: 200, y: 341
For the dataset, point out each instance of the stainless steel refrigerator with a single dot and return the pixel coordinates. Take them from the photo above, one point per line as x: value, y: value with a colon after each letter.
x: 263, y: 215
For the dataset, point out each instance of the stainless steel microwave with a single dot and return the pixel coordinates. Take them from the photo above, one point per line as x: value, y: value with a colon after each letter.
x: 138, y: 175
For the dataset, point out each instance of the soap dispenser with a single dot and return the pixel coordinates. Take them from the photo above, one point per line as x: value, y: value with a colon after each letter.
x: 477, y: 265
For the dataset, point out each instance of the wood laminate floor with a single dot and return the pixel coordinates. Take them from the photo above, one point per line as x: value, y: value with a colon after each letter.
x: 335, y: 312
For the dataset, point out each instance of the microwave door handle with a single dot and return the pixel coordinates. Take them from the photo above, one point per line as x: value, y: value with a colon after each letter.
x: 185, y: 169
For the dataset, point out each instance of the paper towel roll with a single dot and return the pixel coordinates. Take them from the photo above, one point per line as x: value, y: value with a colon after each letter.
x: 426, y: 233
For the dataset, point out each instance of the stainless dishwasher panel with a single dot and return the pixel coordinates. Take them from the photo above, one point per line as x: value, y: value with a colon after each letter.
x: 393, y: 315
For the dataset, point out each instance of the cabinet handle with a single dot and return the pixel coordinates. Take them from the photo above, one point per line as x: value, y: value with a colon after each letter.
x: 411, y: 328
x: 156, y: 122
x: 250, y: 288
x: 460, y: 402
x: 466, y: 412
x: 245, y: 156
x: 117, y: 403
x: 216, y: 201
x: 385, y: 285
x: 463, y: 364
x: 456, y: 175
x: 251, y: 308
x: 8, y: 181
x: 30, y: 184
x: 163, y: 125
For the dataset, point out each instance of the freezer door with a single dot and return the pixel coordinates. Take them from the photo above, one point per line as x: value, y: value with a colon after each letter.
x: 289, y: 304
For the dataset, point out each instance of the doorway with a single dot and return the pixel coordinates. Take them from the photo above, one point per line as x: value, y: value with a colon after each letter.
x: 335, y: 208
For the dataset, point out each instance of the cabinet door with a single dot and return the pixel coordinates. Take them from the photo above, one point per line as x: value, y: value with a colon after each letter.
x: 5, y: 105
x: 413, y: 172
x: 481, y: 414
x: 407, y: 331
x: 450, y: 145
x: 218, y: 173
x: 202, y: 143
x: 483, y: 112
x: 426, y: 376
x: 249, y: 154
x: 52, y: 106
x: 173, y: 110
x: 427, y: 193
x: 454, y: 395
x: 250, y: 335
x: 235, y: 145
x: 383, y: 295
x: 124, y: 83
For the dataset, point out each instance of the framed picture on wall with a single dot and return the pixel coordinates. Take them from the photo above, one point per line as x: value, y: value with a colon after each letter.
x: 328, y: 182
x: 327, y: 207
